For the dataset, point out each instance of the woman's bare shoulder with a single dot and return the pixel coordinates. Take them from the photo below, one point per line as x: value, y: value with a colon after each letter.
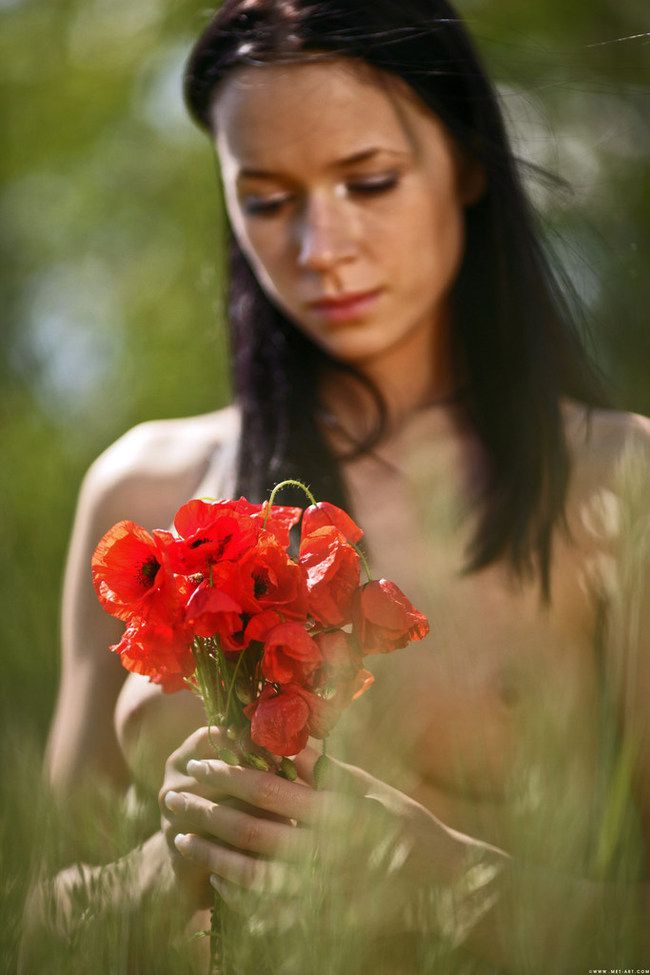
x: 167, y: 447
x: 144, y: 477
x: 158, y: 463
x: 610, y: 451
x: 602, y: 439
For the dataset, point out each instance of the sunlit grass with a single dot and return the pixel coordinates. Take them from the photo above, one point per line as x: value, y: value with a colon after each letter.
x: 560, y: 824
x: 97, y: 177
x: 560, y: 830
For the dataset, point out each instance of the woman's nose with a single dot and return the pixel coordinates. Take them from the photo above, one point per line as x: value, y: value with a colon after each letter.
x: 326, y: 236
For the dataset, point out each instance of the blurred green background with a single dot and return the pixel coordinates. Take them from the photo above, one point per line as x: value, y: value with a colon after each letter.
x: 110, y: 228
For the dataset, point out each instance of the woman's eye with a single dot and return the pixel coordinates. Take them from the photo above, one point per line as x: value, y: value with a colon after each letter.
x: 370, y: 186
x: 269, y: 206
x: 258, y: 206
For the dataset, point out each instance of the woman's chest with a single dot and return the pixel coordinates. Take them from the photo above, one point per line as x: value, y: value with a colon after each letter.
x: 501, y: 682
x: 483, y: 696
x: 503, y: 685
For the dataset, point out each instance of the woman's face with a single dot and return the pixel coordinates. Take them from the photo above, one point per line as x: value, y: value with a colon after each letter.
x: 338, y: 185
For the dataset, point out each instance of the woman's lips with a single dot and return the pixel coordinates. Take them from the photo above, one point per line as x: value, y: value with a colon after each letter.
x: 346, y: 308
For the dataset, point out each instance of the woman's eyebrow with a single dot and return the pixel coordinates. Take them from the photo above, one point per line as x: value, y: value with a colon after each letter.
x: 358, y: 157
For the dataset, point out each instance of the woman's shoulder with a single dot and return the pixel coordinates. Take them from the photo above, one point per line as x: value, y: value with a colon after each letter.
x: 165, y: 446
x: 154, y: 464
x: 610, y: 452
x: 605, y: 438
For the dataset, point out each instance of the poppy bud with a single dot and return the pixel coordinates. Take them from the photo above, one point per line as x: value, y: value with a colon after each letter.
x: 321, y: 769
x: 243, y: 693
x: 228, y: 756
x: 256, y: 761
x: 288, y: 770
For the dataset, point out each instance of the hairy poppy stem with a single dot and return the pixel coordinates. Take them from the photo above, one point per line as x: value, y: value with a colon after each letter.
x: 364, y: 562
x: 203, y: 677
x: 284, y: 484
x: 232, y: 684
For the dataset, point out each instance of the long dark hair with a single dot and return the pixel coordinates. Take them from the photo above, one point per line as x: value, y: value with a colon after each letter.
x: 513, y: 342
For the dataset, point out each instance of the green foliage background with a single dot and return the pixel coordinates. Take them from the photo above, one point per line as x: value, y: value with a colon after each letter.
x: 110, y: 228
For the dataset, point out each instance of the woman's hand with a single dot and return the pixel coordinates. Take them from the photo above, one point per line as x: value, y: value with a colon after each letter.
x: 193, y: 878
x: 211, y: 811
x: 364, y: 837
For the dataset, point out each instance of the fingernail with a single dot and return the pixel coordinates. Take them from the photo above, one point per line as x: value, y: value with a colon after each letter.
x: 216, y: 882
x: 197, y: 769
x: 182, y: 842
x: 174, y: 801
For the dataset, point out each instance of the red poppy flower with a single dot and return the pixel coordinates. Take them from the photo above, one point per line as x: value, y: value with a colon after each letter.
x: 323, y: 515
x: 279, y: 720
x: 208, y: 532
x: 260, y: 625
x: 351, y: 688
x: 283, y: 720
x: 212, y: 612
x: 290, y: 654
x: 341, y: 653
x: 280, y: 521
x: 332, y: 569
x: 252, y: 629
x: 129, y: 576
x: 161, y: 652
x: 384, y: 619
x: 267, y: 578
x: 323, y: 714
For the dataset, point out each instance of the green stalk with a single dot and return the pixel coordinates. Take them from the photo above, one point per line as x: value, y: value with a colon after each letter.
x: 207, y: 675
x: 206, y: 685
x: 364, y: 562
x: 232, y: 684
x: 312, y: 500
x: 284, y: 484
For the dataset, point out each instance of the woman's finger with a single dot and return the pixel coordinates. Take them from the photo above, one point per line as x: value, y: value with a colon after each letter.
x: 192, y: 813
x: 261, y: 789
x: 256, y: 875
x: 202, y: 743
x: 176, y: 782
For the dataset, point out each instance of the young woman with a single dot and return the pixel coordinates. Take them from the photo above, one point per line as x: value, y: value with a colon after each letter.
x: 400, y: 344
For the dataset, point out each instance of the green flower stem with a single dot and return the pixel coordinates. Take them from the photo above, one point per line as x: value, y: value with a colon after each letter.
x: 284, y: 484
x: 207, y: 676
x: 208, y: 687
x: 364, y: 563
x: 232, y: 684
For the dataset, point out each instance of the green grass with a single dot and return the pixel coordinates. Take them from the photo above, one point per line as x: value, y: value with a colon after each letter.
x: 110, y: 233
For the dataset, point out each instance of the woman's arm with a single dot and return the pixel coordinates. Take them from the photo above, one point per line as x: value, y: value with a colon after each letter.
x: 57, y: 904
x: 144, y: 476
x: 428, y: 879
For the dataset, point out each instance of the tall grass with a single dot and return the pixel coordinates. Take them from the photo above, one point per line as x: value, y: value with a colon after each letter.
x: 110, y: 237
x: 327, y: 929
x: 568, y: 832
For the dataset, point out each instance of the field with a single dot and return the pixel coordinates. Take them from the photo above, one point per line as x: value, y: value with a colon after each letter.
x: 111, y: 228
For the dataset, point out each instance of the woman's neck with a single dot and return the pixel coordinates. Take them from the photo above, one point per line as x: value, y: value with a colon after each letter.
x: 411, y: 376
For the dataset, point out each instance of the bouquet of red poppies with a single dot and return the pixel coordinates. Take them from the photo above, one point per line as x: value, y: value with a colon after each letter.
x: 273, y: 642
